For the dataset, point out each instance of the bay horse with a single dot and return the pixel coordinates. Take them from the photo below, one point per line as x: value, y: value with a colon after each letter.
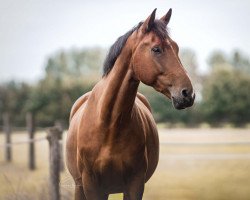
x: 112, y: 142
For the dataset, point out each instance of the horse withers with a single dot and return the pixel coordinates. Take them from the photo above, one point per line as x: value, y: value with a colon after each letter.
x: 112, y: 143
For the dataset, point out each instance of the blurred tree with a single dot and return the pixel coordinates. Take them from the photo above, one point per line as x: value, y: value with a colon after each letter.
x: 69, y: 74
x: 218, y: 59
x: 75, y: 65
x: 236, y: 60
x: 163, y: 109
x: 189, y: 61
x: 13, y: 97
x: 226, y: 97
x: 240, y: 62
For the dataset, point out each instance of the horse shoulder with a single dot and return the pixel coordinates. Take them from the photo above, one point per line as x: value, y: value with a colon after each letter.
x: 79, y: 102
x: 144, y: 100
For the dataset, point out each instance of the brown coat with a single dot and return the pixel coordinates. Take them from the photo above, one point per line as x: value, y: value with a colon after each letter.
x: 112, y: 144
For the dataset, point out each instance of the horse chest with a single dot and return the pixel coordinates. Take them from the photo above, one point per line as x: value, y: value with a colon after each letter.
x: 120, y: 151
x: 116, y: 153
x: 113, y: 167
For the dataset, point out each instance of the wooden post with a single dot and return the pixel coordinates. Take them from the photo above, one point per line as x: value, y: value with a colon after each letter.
x: 30, y: 123
x: 7, y: 130
x: 59, y: 125
x: 54, y: 135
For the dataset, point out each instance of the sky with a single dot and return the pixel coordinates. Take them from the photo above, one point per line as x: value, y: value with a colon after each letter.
x: 33, y: 30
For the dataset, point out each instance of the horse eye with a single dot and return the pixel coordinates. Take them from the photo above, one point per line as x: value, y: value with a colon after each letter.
x: 157, y: 50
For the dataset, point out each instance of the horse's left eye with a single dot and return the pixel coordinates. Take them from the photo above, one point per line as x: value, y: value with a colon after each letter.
x: 157, y: 50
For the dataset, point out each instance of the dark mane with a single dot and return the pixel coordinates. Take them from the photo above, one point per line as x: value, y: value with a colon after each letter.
x: 159, y: 29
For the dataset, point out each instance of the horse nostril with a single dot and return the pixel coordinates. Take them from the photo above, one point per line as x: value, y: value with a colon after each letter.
x: 184, y: 92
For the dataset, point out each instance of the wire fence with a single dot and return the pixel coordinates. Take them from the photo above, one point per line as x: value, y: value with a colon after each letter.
x: 22, y: 128
x: 205, y: 143
x: 23, y: 142
x: 54, y: 138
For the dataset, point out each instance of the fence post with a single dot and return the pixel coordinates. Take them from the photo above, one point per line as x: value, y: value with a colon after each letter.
x: 30, y: 123
x: 7, y: 130
x: 54, y: 135
x: 59, y: 125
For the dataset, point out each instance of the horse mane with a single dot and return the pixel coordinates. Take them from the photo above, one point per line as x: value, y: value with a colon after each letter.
x: 159, y: 28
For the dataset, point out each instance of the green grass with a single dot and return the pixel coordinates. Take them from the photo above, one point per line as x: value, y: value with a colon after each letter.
x: 179, y: 176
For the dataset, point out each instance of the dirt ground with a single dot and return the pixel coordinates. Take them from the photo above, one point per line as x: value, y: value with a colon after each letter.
x: 202, y: 164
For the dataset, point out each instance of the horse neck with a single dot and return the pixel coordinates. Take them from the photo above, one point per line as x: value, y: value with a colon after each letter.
x: 120, y: 89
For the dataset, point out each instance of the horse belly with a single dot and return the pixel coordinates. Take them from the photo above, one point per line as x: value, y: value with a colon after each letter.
x: 71, y: 145
x: 152, y: 139
x: 152, y: 147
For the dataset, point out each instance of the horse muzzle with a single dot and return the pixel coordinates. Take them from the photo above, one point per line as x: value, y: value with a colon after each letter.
x: 183, y: 102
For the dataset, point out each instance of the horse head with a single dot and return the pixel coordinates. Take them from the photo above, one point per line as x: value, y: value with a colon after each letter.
x: 156, y: 63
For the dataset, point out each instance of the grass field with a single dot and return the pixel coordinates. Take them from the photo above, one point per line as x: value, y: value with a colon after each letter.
x: 195, y: 164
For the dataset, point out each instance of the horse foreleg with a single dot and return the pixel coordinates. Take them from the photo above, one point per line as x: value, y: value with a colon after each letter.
x: 135, y: 189
x: 79, y: 193
x: 92, y: 190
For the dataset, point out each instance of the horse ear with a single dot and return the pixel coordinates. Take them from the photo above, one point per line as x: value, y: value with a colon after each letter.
x: 166, y: 18
x: 148, y: 24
